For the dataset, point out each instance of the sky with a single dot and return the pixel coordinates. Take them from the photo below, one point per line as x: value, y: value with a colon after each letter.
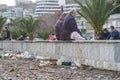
x: 10, y: 2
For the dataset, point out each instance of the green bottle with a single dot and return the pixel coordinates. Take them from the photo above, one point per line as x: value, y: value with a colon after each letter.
x: 0, y: 56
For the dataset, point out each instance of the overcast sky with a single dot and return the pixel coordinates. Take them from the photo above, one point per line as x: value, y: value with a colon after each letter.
x: 10, y: 2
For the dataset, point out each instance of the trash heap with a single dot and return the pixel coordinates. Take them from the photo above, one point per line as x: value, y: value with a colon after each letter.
x: 26, y: 66
x: 44, y: 61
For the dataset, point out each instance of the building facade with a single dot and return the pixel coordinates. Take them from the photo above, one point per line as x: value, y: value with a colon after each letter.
x: 15, y: 13
x: 3, y: 7
x: 114, y: 20
x: 68, y: 7
x: 72, y: 2
x: 44, y: 7
x: 20, y: 2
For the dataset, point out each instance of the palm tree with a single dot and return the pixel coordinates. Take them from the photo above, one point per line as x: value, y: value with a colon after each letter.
x: 15, y: 22
x: 29, y: 25
x: 2, y: 22
x: 96, y: 12
x: 118, y: 9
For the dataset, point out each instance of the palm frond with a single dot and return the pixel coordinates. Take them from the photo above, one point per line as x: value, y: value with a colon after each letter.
x: 96, y: 12
x: 2, y: 21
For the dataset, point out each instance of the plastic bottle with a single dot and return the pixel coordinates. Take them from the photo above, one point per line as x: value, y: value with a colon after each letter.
x: 0, y: 56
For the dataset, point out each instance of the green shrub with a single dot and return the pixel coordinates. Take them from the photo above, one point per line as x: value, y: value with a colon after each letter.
x: 15, y: 33
x: 45, y: 33
x: 22, y: 32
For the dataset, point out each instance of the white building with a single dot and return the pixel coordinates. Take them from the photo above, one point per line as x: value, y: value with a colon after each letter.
x: 18, y: 12
x: 26, y: 13
x: 44, y: 7
x: 114, y: 20
x: 15, y: 13
x: 19, y: 2
x: 47, y: 7
x: 9, y: 14
x: 68, y: 7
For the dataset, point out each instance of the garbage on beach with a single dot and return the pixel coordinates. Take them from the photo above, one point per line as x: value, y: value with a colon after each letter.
x: 63, y: 61
x: 77, y: 62
x: 27, y: 55
x: 59, y: 62
x: 39, y: 57
x: 0, y: 56
x: 67, y: 63
x: 8, y: 55
x: 44, y: 63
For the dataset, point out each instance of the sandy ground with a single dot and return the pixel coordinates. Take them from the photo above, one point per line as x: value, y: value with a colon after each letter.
x: 23, y: 69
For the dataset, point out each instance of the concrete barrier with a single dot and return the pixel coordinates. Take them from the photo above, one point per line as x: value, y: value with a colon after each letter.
x: 99, y: 54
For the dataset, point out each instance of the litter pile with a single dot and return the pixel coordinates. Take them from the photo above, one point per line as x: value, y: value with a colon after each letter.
x: 28, y: 67
x: 44, y: 61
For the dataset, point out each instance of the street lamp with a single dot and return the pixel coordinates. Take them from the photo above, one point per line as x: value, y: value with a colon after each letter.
x: 8, y: 22
x: 62, y: 3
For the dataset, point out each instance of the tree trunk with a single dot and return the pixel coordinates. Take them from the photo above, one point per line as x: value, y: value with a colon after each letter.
x: 97, y: 35
x: 31, y: 36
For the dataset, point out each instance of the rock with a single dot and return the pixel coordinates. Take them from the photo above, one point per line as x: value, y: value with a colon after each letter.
x: 118, y: 78
x: 14, y: 58
x: 11, y: 70
x: 89, y: 79
x: 90, y: 68
x: 17, y: 75
x: 42, y: 78
x: 53, y: 61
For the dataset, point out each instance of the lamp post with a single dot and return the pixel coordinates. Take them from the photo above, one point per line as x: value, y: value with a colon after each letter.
x: 62, y: 3
x: 8, y: 22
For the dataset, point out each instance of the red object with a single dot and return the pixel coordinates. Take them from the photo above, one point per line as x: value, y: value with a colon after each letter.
x: 52, y: 38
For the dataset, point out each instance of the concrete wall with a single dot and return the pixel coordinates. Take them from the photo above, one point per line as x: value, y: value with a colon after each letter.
x: 99, y: 54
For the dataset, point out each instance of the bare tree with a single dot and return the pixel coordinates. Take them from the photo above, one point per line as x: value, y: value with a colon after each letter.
x: 50, y: 20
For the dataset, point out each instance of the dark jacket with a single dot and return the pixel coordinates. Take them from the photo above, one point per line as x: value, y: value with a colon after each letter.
x: 8, y: 34
x: 69, y: 25
x: 104, y: 36
x: 58, y: 28
x: 114, y: 35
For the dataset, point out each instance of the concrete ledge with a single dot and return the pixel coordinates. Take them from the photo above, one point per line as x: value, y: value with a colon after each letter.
x: 86, y: 41
x: 99, y: 54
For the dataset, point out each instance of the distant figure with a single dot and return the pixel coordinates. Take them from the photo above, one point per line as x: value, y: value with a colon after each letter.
x: 59, y: 25
x: 1, y: 38
x: 52, y: 37
x: 20, y: 38
x: 69, y: 26
x: 8, y: 37
x: 104, y: 34
x: 114, y: 35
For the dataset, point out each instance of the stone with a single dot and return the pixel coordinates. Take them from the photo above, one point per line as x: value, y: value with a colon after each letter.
x: 11, y: 70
